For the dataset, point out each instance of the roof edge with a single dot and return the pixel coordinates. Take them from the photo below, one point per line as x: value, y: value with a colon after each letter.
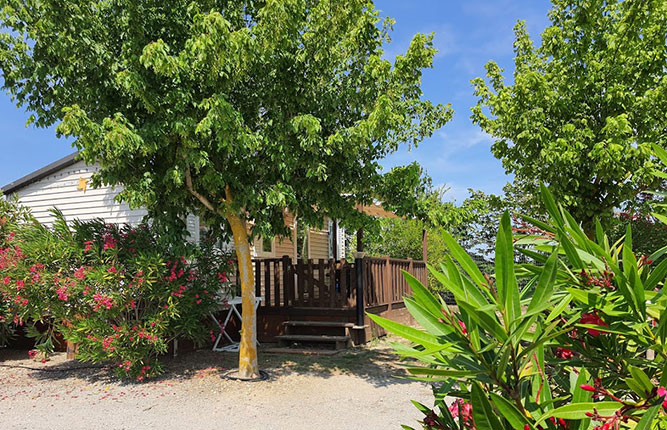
x: 39, y: 174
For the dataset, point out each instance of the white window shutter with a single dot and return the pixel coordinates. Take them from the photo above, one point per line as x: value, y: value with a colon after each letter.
x: 342, y: 236
x: 192, y: 223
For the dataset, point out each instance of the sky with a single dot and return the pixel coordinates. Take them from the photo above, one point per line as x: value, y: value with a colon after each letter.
x: 467, y: 35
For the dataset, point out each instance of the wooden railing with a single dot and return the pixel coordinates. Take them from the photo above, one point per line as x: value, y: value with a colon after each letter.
x: 334, y: 284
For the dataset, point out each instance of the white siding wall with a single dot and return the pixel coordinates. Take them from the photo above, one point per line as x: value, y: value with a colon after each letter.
x: 60, y: 190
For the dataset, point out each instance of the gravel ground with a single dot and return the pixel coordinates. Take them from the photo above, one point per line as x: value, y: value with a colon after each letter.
x: 356, y: 389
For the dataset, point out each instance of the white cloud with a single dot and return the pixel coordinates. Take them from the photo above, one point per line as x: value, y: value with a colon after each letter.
x: 452, y: 143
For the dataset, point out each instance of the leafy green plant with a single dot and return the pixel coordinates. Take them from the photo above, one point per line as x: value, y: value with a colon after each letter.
x: 583, y: 106
x: 115, y: 291
x: 661, y: 154
x: 11, y: 216
x: 579, y: 344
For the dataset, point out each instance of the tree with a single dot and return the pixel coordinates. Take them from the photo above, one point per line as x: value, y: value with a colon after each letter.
x: 585, y: 106
x: 402, y: 237
x: 234, y: 110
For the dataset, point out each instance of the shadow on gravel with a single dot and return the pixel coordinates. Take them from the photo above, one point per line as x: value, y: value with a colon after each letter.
x: 376, y: 364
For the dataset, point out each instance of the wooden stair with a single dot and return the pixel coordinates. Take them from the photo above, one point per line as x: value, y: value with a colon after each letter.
x: 332, y: 334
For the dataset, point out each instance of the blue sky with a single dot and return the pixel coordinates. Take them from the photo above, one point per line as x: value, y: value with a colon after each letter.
x: 467, y: 35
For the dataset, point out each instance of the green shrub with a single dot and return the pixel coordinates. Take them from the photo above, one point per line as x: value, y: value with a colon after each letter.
x: 116, y: 291
x: 579, y: 345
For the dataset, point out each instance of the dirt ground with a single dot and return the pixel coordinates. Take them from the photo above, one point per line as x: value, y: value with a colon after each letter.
x: 357, y: 389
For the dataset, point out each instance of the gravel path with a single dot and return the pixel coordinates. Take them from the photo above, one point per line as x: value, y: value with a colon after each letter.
x: 357, y: 389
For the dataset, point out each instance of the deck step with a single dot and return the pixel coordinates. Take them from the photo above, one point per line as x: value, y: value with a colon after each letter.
x: 301, y: 351
x: 339, y: 342
x: 319, y: 324
x: 313, y: 338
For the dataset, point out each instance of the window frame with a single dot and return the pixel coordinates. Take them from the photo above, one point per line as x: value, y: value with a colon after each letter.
x: 259, y: 247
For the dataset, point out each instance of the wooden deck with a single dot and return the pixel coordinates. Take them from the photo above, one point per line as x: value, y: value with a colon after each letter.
x: 335, y: 291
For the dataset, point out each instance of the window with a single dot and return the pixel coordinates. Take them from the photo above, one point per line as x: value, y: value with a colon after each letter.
x: 264, y: 247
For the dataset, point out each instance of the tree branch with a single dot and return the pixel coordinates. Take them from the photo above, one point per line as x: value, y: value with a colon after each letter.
x: 188, y: 183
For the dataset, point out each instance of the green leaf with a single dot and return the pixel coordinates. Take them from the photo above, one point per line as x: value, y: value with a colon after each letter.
x: 641, y: 377
x: 657, y: 275
x: 629, y: 260
x: 422, y: 295
x: 426, y: 319
x: 482, y: 412
x: 580, y: 396
x: 545, y: 283
x: 506, y: 284
x: 470, y: 294
x: 647, y: 419
x: 636, y: 387
x: 537, y: 223
x: 577, y: 411
x: 558, y: 310
x: 660, y: 153
x: 447, y: 373
x: 551, y: 206
x: 599, y: 232
x: 463, y: 258
x: 516, y: 419
x: 487, y: 320
x: 570, y: 251
x: 406, y: 332
x: 657, y: 254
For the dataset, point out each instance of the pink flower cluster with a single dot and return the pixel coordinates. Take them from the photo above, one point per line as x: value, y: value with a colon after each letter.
x: 593, y: 319
x: 109, y: 242
x: 466, y: 412
x: 175, y: 271
x: 80, y: 273
x: 62, y: 293
x: 181, y: 290
x: 102, y: 301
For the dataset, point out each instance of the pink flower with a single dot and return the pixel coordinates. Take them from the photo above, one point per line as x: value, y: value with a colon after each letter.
x: 112, y: 269
x: 466, y: 412
x: 89, y: 245
x: 463, y: 327
x: 62, y: 293
x: 80, y: 273
x: 593, y: 319
x: 564, y: 353
x: 662, y: 392
x: 109, y: 242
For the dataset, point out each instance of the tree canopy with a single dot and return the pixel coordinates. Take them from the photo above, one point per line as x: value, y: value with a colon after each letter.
x: 287, y: 104
x: 585, y: 106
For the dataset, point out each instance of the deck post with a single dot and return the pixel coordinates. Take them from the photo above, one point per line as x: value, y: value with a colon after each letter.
x: 388, y: 284
x: 424, y: 245
x: 360, y: 240
x: 359, y: 266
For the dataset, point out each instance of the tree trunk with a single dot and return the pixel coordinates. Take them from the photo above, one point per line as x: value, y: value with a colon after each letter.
x: 248, y: 367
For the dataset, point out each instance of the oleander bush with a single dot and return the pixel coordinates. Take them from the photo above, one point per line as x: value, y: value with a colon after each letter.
x: 573, y: 340
x: 11, y: 216
x: 119, y: 292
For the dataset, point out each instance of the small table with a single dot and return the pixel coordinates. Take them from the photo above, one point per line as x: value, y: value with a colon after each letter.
x: 233, y: 309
